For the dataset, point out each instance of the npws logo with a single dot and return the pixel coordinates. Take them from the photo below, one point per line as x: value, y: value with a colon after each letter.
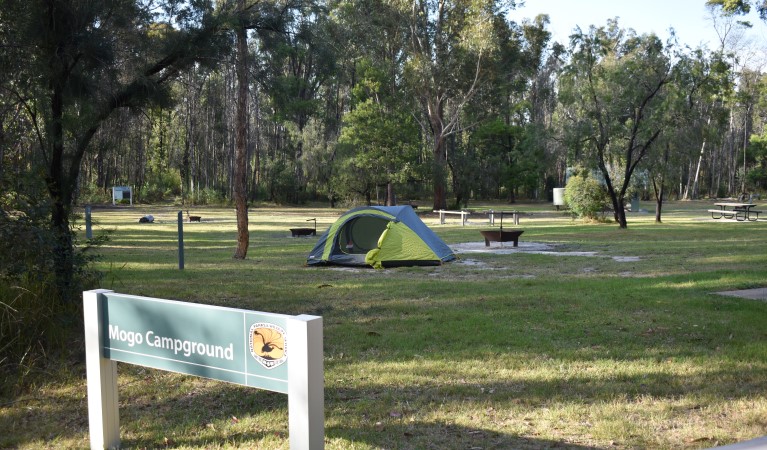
x: 267, y: 344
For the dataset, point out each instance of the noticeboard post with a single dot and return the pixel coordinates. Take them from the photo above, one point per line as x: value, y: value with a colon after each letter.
x: 275, y: 352
x: 122, y: 193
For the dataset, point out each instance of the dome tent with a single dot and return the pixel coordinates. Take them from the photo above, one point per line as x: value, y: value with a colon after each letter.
x: 380, y: 236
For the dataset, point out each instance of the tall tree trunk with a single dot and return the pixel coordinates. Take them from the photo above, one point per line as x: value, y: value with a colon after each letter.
x: 390, y: 200
x: 439, y: 169
x: 658, y: 187
x: 256, y: 179
x: 241, y: 149
x: 616, y: 198
x: 2, y: 150
x: 694, y: 193
x: 58, y: 189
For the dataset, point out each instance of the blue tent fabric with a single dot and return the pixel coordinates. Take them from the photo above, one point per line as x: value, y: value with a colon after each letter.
x: 373, y: 221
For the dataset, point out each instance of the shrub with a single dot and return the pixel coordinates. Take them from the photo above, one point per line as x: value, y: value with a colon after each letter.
x: 161, y: 186
x: 585, y: 196
x: 208, y: 196
x: 90, y: 194
x: 35, y: 322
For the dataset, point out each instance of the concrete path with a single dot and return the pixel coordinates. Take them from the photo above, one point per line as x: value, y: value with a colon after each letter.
x: 752, y: 294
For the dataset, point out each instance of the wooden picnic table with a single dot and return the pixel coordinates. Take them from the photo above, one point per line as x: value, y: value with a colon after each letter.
x: 492, y: 214
x: 739, y: 211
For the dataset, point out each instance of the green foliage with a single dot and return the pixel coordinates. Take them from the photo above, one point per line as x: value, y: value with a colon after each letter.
x: 318, y: 159
x: 36, y: 331
x: 33, y: 317
x: 740, y: 7
x: 756, y: 178
x: 91, y: 194
x: 281, y: 183
x: 616, y: 86
x: 757, y: 152
x: 208, y: 196
x: 161, y: 185
x: 379, y: 141
x: 351, y: 182
x: 508, y: 159
x: 586, y: 196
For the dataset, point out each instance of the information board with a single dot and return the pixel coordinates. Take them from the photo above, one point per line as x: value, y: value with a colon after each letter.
x: 275, y: 352
x: 238, y: 346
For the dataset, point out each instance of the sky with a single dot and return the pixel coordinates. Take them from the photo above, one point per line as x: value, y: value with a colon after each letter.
x: 689, y: 18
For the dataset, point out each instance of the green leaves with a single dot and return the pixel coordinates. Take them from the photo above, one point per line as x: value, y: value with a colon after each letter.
x: 616, y: 87
x: 380, y: 139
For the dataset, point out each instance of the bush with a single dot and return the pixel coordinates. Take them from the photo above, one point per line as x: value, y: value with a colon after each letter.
x: 282, y: 185
x: 208, y: 196
x: 585, y: 196
x: 35, y: 323
x: 37, y: 331
x: 161, y: 186
x: 90, y: 194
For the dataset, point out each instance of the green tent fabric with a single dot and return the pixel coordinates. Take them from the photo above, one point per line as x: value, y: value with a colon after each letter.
x: 380, y: 236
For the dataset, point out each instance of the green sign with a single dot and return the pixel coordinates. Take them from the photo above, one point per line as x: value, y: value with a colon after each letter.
x: 234, y: 345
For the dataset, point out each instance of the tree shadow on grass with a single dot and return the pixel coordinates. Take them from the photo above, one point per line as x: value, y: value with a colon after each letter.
x: 438, y: 436
x: 219, y: 414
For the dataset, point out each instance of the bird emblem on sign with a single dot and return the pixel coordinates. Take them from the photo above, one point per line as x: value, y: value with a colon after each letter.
x: 268, y: 345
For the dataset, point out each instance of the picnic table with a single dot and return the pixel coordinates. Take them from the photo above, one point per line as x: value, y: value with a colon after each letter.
x: 491, y: 214
x: 442, y: 212
x: 739, y: 211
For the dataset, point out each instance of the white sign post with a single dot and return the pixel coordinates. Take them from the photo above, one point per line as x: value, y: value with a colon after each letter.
x: 275, y: 352
x: 306, y: 388
x: 103, y: 412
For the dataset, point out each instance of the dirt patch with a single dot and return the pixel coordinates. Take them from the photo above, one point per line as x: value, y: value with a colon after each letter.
x: 538, y: 248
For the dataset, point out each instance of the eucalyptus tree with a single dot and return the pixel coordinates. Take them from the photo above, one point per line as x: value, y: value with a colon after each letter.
x: 373, y: 38
x: 707, y: 79
x: 82, y: 61
x: 740, y: 6
x: 757, y: 155
x: 450, y: 41
x: 499, y: 149
x: 537, y: 70
x: 687, y: 115
x: 241, y: 133
x: 293, y: 69
x: 383, y: 138
x: 757, y: 176
x: 616, y: 83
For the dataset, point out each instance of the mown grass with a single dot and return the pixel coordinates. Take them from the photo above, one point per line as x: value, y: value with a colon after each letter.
x: 510, y: 351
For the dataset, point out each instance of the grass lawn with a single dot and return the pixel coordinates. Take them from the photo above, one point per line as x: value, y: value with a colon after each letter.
x: 628, y: 348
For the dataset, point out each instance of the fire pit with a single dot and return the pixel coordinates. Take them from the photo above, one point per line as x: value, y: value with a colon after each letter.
x: 297, y: 232
x: 502, y: 235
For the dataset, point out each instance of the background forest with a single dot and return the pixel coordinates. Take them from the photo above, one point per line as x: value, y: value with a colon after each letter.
x: 345, y: 99
x: 347, y: 102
